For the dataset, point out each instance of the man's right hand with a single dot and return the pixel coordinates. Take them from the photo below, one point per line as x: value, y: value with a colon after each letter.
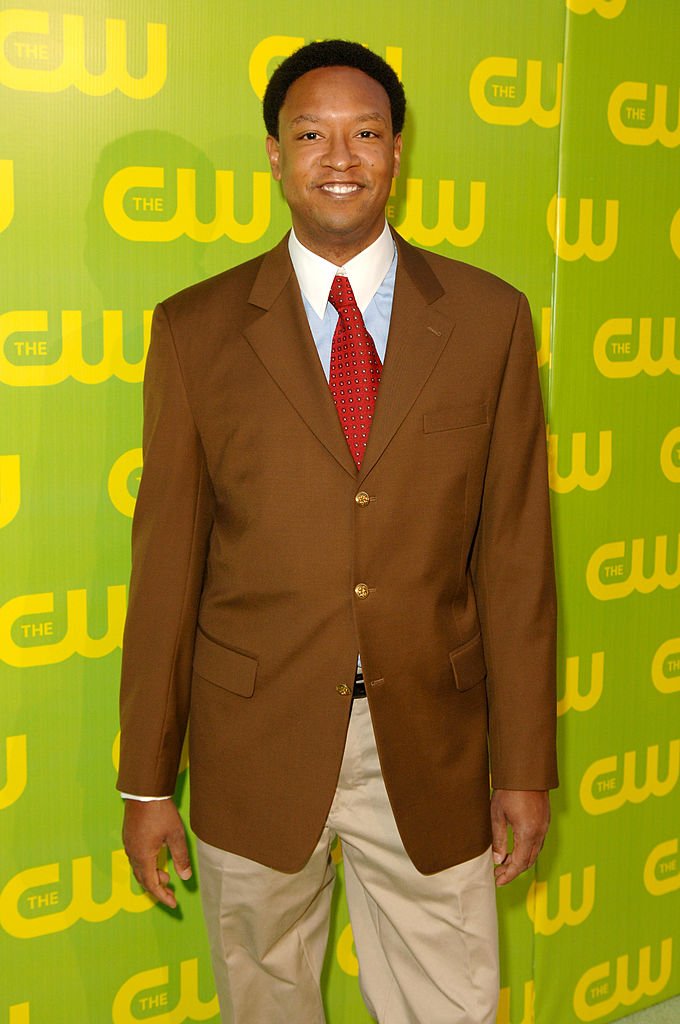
x: 148, y: 826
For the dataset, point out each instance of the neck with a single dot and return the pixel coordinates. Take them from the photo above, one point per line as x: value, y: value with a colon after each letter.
x: 338, y: 250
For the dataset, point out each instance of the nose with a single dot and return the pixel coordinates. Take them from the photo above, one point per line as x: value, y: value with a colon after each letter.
x: 339, y: 154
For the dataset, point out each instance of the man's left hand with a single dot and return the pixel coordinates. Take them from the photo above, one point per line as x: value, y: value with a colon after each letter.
x: 527, y: 812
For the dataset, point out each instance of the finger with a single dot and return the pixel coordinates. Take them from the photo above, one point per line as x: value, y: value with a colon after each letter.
x: 177, y: 845
x: 499, y: 834
x: 151, y: 880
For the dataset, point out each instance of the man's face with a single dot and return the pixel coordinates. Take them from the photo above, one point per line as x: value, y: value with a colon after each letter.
x: 335, y: 158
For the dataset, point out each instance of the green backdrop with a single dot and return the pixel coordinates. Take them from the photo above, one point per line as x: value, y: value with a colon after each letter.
x: 542, y: 143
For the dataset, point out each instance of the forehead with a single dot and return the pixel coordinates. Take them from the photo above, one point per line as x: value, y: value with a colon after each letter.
x: 329, y: 92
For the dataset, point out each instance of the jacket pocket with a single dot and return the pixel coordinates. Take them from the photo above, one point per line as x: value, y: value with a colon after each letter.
x: 453, y: 418
x: 467, y: 662
x: 232, y: 670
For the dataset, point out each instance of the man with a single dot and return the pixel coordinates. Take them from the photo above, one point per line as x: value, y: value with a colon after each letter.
x: 331, y: 582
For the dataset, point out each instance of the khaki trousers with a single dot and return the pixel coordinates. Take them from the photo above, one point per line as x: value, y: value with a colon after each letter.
x: 426, y: 944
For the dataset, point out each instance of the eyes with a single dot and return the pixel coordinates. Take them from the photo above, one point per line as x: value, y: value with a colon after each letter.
x: 314, y: 136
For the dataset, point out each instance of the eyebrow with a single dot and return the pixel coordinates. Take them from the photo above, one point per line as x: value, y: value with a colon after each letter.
x: 315, y: 119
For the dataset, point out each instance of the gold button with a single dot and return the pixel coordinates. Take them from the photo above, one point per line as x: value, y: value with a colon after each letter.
x: 343, y: 690
x: 362, y: 498
x: 361, y: 590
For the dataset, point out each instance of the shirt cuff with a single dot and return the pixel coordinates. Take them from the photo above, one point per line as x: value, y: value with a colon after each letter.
x: 143, y: 799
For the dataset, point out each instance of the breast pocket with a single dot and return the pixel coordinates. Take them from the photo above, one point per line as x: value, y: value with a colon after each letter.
x: 226, y: 667
x: 455, y: 417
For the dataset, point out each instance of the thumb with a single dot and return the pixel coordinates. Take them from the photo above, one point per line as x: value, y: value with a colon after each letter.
x: 499, y: 834
x: 177, y: 847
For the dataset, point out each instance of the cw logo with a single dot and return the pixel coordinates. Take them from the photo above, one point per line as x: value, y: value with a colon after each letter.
x: 592, y: 998
x: 544, y: 348
x: 6, y: 193
x: 494, y: 99
x: 71, y: 362
x: 20, y: 61
x: 584, y: 245
x: 136, y: 996
x: 282, y: 46
x: 578, y: 475
x: 10, y: 488
x: 605, y: 572
x: 675, y: 234
x: 346, y: 954
x: 573, y: 699
x: 627, y: 116
x: 604, y: 789
x: 537, y: 903
x: 445, y: 229
x: 29, y: 902
x: 16, y: 773
x: 125, y: 473
x: 77, y: 639
x: 20, y: 1013
x: 662, y: 871
x: 503, y: 1015
x: 605, y: 8
x: 121, y: 209
x: 670, y: 456
x: 614, y: 356
x: 666, y: 667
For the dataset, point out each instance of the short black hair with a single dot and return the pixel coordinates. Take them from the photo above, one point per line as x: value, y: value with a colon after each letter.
x: 326, y: 54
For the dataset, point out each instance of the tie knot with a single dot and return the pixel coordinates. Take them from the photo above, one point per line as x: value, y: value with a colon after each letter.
x: 341, y: 296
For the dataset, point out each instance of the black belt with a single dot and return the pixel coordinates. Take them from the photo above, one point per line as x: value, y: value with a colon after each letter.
x: 359, y: 688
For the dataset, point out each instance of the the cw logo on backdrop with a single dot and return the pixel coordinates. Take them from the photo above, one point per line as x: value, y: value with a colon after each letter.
x: 670, y: 455
x: 593, y: 995
x: 584, y: 243
x: 605, y: 787
x: 10, y: 488
x: 630, y: 120
x: 661, y: 873
x: 605, y: 8
x: 124, y: 481
x: 139, y: 997
x: 618, y: 357
x: 28, y: 361
x: 574, y: 698
x: 138, y: 216
x: 20, y: 1013
x: 495, y: 92
x: 16, y: 771
x: 611, y: 573
x: 6, y: 193
x: 282, y: 46
x: 666, y: 667
x: 505, y: 1013
x: 29, y: 633
x: 35, y: 901
x: 537, y: 903
x: 578, y: 475
x: 37, y: 57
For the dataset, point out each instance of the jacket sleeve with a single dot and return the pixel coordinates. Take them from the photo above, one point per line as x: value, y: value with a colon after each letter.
x: 170, y: 535
x: 514, y: 580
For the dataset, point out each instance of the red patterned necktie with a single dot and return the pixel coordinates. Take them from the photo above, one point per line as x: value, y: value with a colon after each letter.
x: 355, y: 369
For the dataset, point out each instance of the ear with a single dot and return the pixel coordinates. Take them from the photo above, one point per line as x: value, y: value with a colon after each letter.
x: 397, y: 154
x: 274, y: 154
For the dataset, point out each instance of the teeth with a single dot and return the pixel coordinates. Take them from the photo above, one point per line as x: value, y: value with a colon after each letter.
x: 340, y: 190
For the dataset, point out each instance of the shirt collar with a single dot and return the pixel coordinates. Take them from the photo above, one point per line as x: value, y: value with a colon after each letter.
x: 366, y: 271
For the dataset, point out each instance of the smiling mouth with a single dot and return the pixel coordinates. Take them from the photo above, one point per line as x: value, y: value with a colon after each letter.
x: 337, y: 188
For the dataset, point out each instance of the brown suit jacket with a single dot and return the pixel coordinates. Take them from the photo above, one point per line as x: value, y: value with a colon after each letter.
x: 248, y: 543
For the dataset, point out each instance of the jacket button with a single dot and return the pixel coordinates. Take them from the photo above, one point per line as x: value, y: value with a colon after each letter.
x: 343, y: 690
x: 361, y: 590
x: 362, y: 498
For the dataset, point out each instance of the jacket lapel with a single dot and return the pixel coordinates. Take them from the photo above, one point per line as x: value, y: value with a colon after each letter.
x: 284, y: 344
x: 418, y: 335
